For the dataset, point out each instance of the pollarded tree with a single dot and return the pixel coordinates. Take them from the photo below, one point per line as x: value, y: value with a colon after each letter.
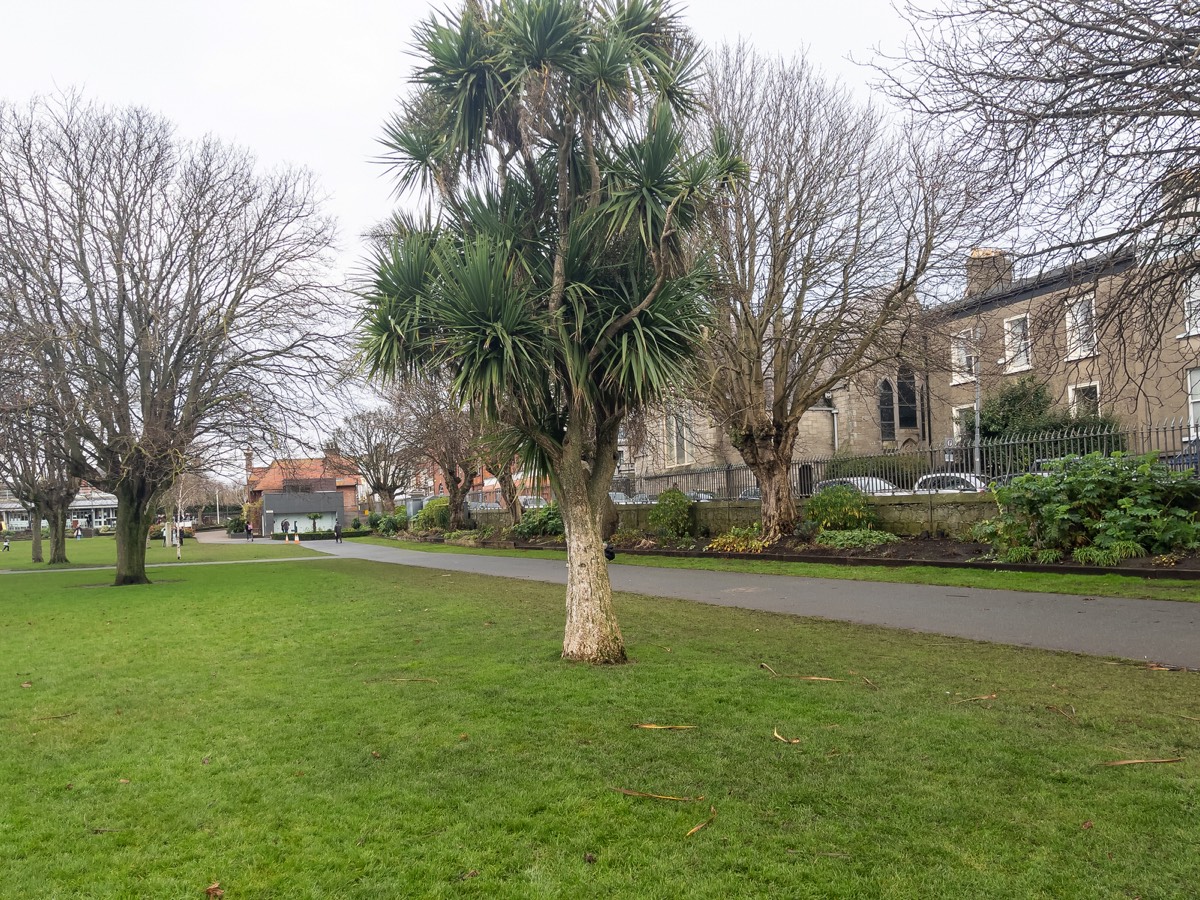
x: 553, y: 285
x: 378, y: 444
x: 820, y: 254
x: 171, y: 293
x: 442, y: 433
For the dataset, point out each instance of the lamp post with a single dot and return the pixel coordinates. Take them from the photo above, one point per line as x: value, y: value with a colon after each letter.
x: 977, y: 455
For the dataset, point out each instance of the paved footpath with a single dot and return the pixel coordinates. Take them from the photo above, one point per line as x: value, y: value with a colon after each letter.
x: 1161, y: 631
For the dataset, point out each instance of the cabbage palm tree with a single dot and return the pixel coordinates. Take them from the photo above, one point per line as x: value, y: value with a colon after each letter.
x: 551, y: 280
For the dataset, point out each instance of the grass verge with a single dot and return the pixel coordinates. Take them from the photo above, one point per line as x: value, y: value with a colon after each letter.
x: 1114, y: 585
x: 102, y: 551
x: 356, y: 730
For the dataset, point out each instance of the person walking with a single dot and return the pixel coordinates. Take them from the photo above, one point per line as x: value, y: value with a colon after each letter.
x: 337, y: 532
x: 6, y: 547
x: 78, y: 533
x: 249, y: 531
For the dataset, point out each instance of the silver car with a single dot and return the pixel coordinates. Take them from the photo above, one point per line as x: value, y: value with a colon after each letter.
x: 862, y: 483
x: 949, y: 483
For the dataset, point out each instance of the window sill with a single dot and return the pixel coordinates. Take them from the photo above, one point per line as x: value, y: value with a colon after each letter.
x: 1081, y: 356
x: 1186, y: 335
x: 954, y: 382
x: 1013, y: 370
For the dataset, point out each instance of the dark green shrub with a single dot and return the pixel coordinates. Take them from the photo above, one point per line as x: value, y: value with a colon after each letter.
x: 356, y: 524
x: 235, y: 526
x: 672, y: 514
x: 373, y: 520
x: 542, y: 521
x: 1099, y: 509
x: 434, y: 514
x: 839, y: 508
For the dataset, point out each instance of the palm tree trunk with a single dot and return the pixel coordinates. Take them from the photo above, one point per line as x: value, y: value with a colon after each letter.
x: 591, y: 633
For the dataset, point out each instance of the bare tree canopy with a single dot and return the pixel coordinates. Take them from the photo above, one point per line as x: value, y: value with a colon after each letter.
x: 172, y: 295
x: 1080, y: 116
x: 821, y: 255
x: 378, y: 444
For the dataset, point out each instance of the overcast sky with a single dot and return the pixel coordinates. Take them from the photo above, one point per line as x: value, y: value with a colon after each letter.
x: 310, y: 83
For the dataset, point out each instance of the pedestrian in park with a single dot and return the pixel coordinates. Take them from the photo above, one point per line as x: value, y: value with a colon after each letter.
x: 337, y: 532
x: 6, y: 547
x: 78, y: 533
x: 249, y: 532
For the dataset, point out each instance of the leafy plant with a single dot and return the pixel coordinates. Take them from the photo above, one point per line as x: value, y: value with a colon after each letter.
x: 672, y: 514
x: 839, y: 508
x: 373, y: 520
x: 356, y: 524
x: 540, y: 521
x: 434, y: 514
x: 746, y: 539
x: 854, y: 538
x: 1099, y: 509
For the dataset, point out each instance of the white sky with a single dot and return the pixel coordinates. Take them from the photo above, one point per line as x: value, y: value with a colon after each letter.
x: 311, y: 83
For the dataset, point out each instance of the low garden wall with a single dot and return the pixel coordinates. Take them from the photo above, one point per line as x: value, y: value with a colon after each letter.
x: 900, y: 514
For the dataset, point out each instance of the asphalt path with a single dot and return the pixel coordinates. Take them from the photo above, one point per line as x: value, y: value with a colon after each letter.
x: 1160, y: 631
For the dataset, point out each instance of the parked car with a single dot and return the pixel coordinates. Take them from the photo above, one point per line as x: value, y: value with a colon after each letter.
x: 754, y: 493
x: 642, y: 498
x: 478, y: 505
x: 865, y: 484
x: 1188, y: 458
x: 949, y: 483
x: 700, y: 496
x: 533, y: 502
x: 618, y: 497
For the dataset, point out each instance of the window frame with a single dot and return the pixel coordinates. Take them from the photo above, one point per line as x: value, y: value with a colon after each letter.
x: 1009, y: 355
x: 1075, y: 348
x: 1191, y: 308
x: 677, y: 445
x: 1192, y: 386
x: 964, y: 357
x: 957, y: 427
x: 1073, y: 393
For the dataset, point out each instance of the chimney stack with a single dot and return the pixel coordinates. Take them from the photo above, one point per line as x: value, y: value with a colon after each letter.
x: 987, y: 270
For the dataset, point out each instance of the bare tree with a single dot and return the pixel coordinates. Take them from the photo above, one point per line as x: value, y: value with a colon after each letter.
x: 172, y: 292
x: 1081, y: 117
x: 498, y: 452
x: 377, y: 445
x: 444, y: 433
x: 34, y: 469
x: 820, y: 255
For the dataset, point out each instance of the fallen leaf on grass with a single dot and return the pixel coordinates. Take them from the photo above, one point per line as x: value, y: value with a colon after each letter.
x: 214, y: 890
x: 122, y: 781
x: 464, y: 737
x: 473, y: 873
x: 1134, y: 762
x: 1069, y: 716
x: 973, y: 699
x: 713, y: 815
x: 1086, y: 825
x: 589, y: 857
x: 376, y: 754
x: 663, y: 727
x: 775, y: 674
x: 780, y: 737
x: 205, y: 761
x: 870, y: 683
x: 26, y: 684
x: 629, y: 793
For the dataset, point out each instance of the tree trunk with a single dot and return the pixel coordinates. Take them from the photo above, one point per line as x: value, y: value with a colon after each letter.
x: 133, y: 528
x: 387, y: 502
x: 770, y: 460
x: 56, y: 514
x: 508, y: 492
x: 591, y: 633
x: 456, y: 491
x: 35, y: 532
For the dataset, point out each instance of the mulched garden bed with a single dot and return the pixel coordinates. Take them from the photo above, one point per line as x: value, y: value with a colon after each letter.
x: 938, y: 552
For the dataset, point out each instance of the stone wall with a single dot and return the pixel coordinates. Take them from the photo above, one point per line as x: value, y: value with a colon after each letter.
x: 902, y: 514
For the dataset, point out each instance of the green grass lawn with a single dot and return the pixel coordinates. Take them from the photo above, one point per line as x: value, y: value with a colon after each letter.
x: 1086, y: 585
x: 345, y: 729
x: 102, y: 551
